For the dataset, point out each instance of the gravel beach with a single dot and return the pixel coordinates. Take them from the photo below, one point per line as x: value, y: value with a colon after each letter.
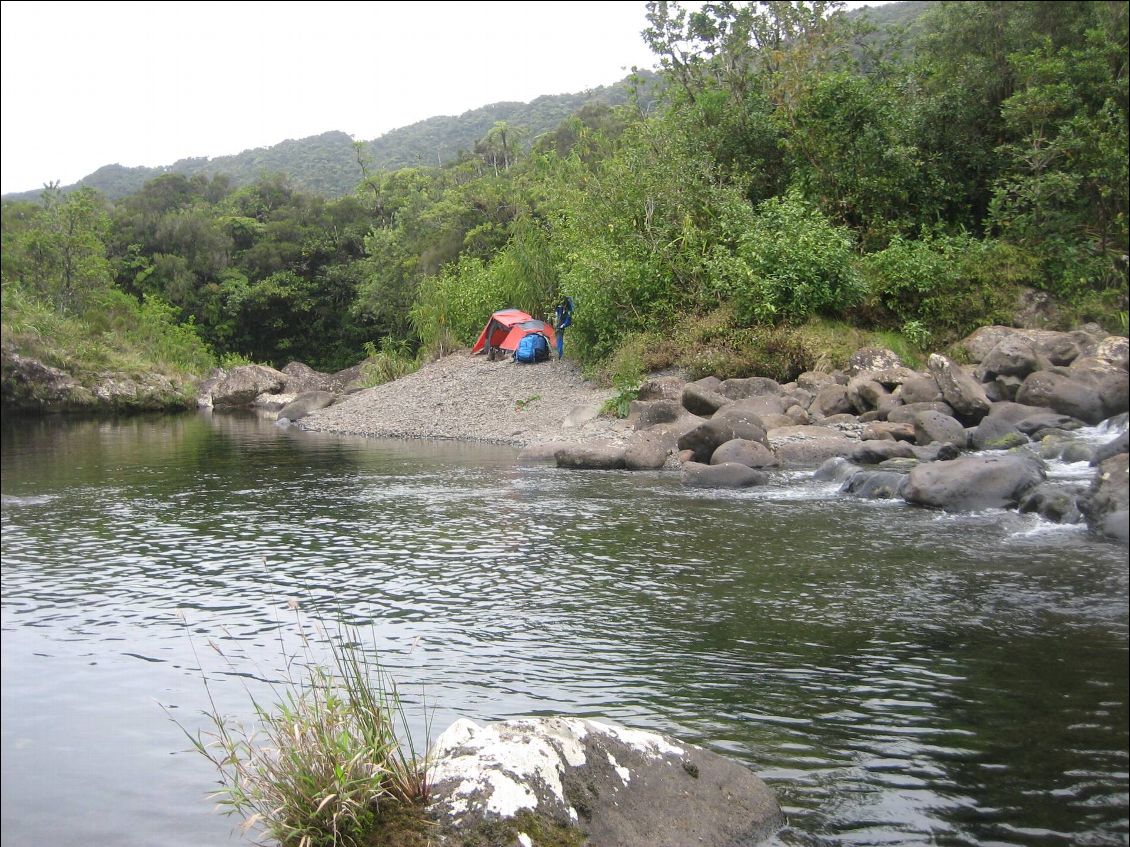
x: 469, y: 398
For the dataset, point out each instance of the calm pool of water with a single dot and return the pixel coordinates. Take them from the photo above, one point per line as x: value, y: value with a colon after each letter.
x: 898, y: 675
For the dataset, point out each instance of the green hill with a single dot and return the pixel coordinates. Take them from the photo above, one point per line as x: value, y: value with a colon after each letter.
x: 327, y: 165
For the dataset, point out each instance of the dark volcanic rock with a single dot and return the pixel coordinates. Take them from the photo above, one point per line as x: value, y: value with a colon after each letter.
x: 594, y: 457
x: 875, y: 485
x: 727, y: 475
x: 971, y: 483
x: 1107, y: 504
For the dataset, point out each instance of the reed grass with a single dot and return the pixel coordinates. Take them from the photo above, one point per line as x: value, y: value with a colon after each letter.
x: 326, y: 764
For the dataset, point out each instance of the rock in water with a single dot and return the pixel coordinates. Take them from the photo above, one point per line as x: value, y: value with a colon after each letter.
x: 620, y: 786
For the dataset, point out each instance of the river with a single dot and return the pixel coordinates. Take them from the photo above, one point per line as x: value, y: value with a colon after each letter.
x: 898, y: 675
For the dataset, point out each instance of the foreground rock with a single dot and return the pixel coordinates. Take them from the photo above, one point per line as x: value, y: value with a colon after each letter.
x: 972, y: 483
x: 616, y: 786
x: 1107, y: 505
x: 245, y: 383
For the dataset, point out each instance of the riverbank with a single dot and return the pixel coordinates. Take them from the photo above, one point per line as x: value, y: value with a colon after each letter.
x: 463, y: 397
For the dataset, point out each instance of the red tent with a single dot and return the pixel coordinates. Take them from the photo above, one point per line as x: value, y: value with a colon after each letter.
x: 506, y: 328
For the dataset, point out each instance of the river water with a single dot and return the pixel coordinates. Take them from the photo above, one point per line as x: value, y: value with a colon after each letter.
x: 898, y: 675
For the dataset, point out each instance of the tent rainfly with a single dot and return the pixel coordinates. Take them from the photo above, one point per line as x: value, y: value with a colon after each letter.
x: 506, y: 328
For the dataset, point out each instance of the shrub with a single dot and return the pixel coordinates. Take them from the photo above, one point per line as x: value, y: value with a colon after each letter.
x: 792, y: 263
x: 326, y: 761
x: 390, y: 361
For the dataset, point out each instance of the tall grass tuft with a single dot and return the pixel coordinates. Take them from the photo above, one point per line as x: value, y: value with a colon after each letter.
x: 325, y: 763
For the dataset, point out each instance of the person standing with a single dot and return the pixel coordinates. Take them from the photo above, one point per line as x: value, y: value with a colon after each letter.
x: 564, y: 318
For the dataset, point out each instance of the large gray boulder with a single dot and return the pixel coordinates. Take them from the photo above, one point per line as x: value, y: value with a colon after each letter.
x: 874, y: 485
x: 740, y: 389
x: 1108, y: 381
x: 698, y: 399
x: 590, y: 457
x: 727, y: 475
x: 931, y: 427
x: 1056, y: 348
x: 874, y: 452
x: 814, y: 381
x: 1032, y: 419
x: 996, y: 434
x: 647, y: 451
x: 1052, y: 502
x: 1114, y: 350
x: 831, y: 400
x: 752, y: 454
x: 1107, y: 505
x: 1013, y: 356
x: 590, y: 780
x: 704, y: 439
x: 907, y: 412
x: 1119, y: 444
x: 971, y: 483
x: 662, y: 388
x: 1068, y: 395
x: 872, y: 359
x: 647, y: 413
x: 301, y: 378
x: 920, y: 388
x: 757, y: 404
x: 245, y: 383
x: 808, y: 446
x: 305, y: 403
x: 960, y: 389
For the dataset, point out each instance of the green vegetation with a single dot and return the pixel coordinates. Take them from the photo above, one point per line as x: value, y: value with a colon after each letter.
x: 331, y: 762
x: 803, y: 170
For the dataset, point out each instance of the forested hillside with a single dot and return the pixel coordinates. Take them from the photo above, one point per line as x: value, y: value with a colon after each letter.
x: 803, y: 181
x: 327, y: 164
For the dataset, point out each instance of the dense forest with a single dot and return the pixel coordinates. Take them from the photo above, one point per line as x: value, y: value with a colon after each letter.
x: 804, y: 178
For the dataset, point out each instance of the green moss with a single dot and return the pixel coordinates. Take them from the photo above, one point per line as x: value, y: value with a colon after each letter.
x: 402, y: 825
x: 543, y: 831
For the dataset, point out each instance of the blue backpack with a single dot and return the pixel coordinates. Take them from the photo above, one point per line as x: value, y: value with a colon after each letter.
x: 532, y: 348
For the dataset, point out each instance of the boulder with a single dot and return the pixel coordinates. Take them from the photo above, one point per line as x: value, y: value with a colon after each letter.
x: 305, y: 403
x: 700, y: 400
x: 920, y: 388
x: 740, y: 389
x: 1114, y: 350
x: 831, y: 400
x: 772, y: 421
x: 662, y: 388
x: 301, y: 378
x: 874, y: 452
x: 1107, y: 505
x: 798, y: 415
x: 1067, y: 395
x: 647, y: 451
x: 887, y: 431
x: 709, y: 436
x: 266, y: 402
x: 592, y: 457
x: 836, y: 469
x: 866, y: 394
x: 1002, y: 388
x: 204, y: 389
x: 1013, y: 356
x: 808, y: 446
x: 936, y: 452
x: 727, y: 475
x: 1110, y: 382
x: 762, y: 404
x: 972, y: 483
x: 907, y: 412
x: 647, y: 413
x: 245, y: 383
x: 1119, y: 444
x: 594, y: 783
x: 874, y: 485
x: 752, y: 454
x: 960, y: 390
x: 930, y: 427
x: 814, y: 381
x: 1056, y: 348
x: 996, y: 434
x: 872, y: 359
x: 1052, y: 503
x: 1032, y: 419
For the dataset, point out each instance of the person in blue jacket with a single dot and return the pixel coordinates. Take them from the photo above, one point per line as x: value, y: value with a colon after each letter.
x: 564, y: 315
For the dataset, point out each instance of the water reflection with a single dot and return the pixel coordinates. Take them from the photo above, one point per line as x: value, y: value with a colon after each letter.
x: 900, y: 676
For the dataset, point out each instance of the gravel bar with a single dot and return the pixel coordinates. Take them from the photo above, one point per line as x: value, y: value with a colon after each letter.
x: 469, y: 398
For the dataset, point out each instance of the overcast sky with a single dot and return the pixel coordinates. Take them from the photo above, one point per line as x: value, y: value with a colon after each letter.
x: 90, y: 84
